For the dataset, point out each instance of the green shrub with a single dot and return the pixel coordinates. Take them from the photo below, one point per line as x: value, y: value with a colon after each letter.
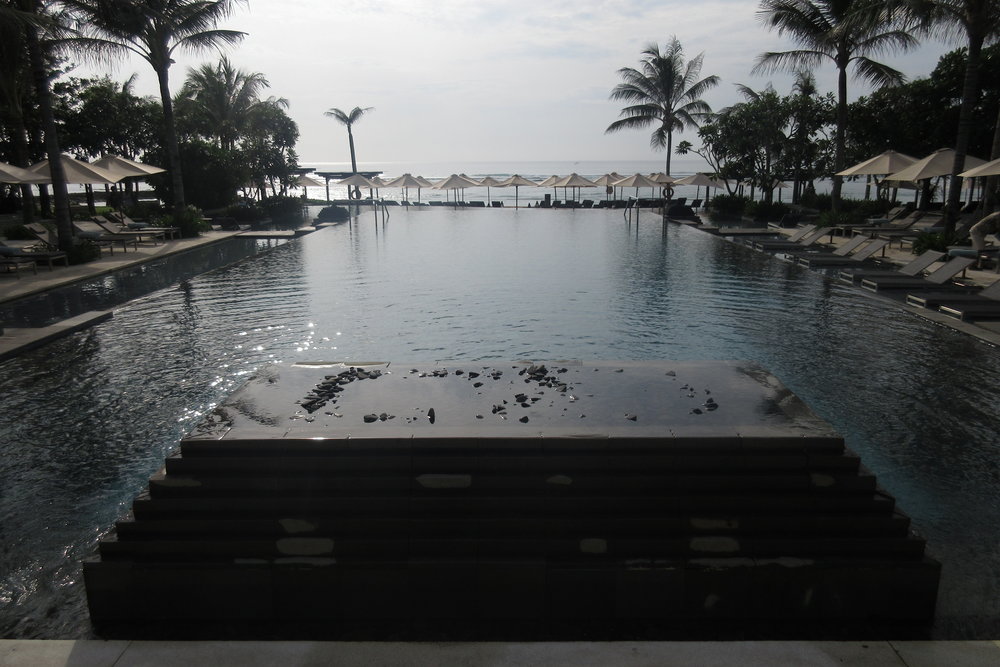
x: 765, y: 211
x: 283, y: 208
x: 83, y: 251
x: 245, y: 212
x: 935, y: 241
x: 19, y: 233
x: 729, y: 204
x: 810, y: 199
x: 333, y: 214
x: 190, y: 221
x: 830, y: 219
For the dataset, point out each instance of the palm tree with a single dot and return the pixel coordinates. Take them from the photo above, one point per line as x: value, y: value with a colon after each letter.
x: 664, y: 92
x: 155, y: 29
x: 845, y: 32
x: 222, y: 100
x: 978, y: 22
x: 40, y: 30
x: 349, y: 119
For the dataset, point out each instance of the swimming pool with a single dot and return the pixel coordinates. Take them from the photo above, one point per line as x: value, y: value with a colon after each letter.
x: 93, y: 415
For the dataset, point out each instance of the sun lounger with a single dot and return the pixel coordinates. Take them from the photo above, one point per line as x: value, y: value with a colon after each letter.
x: 833, y: 259
x: 899, y: 224
x: 149, y: 233
x: 938, y: 277
x: 844, y: 249
x: 17, y: 263
x: 972, y: 311
x: 913, y: 268
x: 795, y: 236
x: 37, y: 255
x: 960, y: 295
x: 809, y: 239
x: 87, y: 229
x: 128, y: 224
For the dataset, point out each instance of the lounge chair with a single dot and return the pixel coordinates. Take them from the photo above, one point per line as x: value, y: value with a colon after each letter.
x: 913, y: 268
x: 979, y: 310
x: 900, y: 224
x: 961, y: 295
x: 833, y: 259
x: 795, y: 236
x: 149, y: 233
x: 15, y: 264
x: 128, y: 224
x: 843, y: 250
x: 806, y: 241
x: 34, y: 253
x: 90, y: 230
x: 940, y: 276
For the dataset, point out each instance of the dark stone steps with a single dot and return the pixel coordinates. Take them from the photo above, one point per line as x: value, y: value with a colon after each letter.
x: 457, y: 484
x: 551, y: 464
x: 896, y: 525
x: 585, y: 547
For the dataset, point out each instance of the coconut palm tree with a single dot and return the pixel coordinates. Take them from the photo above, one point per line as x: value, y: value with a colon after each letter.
x: 222, y: 100
x: 664, y: 92
x: 155, y: 30
x: 41, y: 27
x: 841, y: 31
x: 977, y: 22
x: 349, y: 119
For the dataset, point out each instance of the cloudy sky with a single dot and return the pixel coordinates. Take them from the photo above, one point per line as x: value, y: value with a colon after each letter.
x: 498, y: 81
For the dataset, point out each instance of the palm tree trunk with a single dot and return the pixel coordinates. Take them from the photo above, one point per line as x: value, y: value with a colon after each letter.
x: 170, y: 137
x: 64, y: 227
x: 670, y: 146
x: 970, y: 93
x: 841, y: 142
x: 989, y: 199
x: 354, y: 161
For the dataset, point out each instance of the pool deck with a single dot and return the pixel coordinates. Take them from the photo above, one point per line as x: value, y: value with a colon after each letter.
x: 116, y: 653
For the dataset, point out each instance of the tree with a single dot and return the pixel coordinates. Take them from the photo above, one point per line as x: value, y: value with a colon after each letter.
x: 349, y: 119
x: 844, y: 32
x: 100, y: 116
x: 40, y: 30
x: 155, y: 29
x: 664, y: 92
x: 220, y: 100
x: 978, y: 21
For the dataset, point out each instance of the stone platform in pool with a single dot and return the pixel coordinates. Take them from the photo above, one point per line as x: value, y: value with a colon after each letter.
x: 513, y: 500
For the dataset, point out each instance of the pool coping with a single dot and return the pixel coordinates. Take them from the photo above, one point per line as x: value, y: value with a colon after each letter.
x: 99, y: 653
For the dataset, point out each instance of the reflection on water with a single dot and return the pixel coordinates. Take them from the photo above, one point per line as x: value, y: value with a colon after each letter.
x: 93, y: 415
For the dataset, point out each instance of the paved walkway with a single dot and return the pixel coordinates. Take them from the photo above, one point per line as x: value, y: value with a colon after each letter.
x: 93, y: 653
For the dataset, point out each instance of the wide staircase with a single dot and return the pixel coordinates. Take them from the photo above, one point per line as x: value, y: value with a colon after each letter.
x: 609, y: 537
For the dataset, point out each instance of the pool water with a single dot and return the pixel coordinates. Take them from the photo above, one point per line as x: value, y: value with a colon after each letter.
x: 91, y: 417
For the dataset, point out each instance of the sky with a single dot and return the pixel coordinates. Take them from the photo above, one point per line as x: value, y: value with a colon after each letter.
x: 457, y: 80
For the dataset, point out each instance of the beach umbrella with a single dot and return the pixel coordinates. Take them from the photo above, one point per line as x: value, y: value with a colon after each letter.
x: 356, y: 181
x: 79, y: 172
x: 987, y: 169
x: 636, y: 181
x: 305, y: 183
x: 888, y: 162
x: 938, y: 163
x: 12, y: 174
x: 548, y: 183
x: 779, y: 185
x: 129, y: 168
x: 455, y: 182
x: 608, y: 181
x: 664, y: 180
x: 574, y: 180
x: 516, y: 181
x: 488, y: 182
x: 406, y: 181
x: 698, y: 180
